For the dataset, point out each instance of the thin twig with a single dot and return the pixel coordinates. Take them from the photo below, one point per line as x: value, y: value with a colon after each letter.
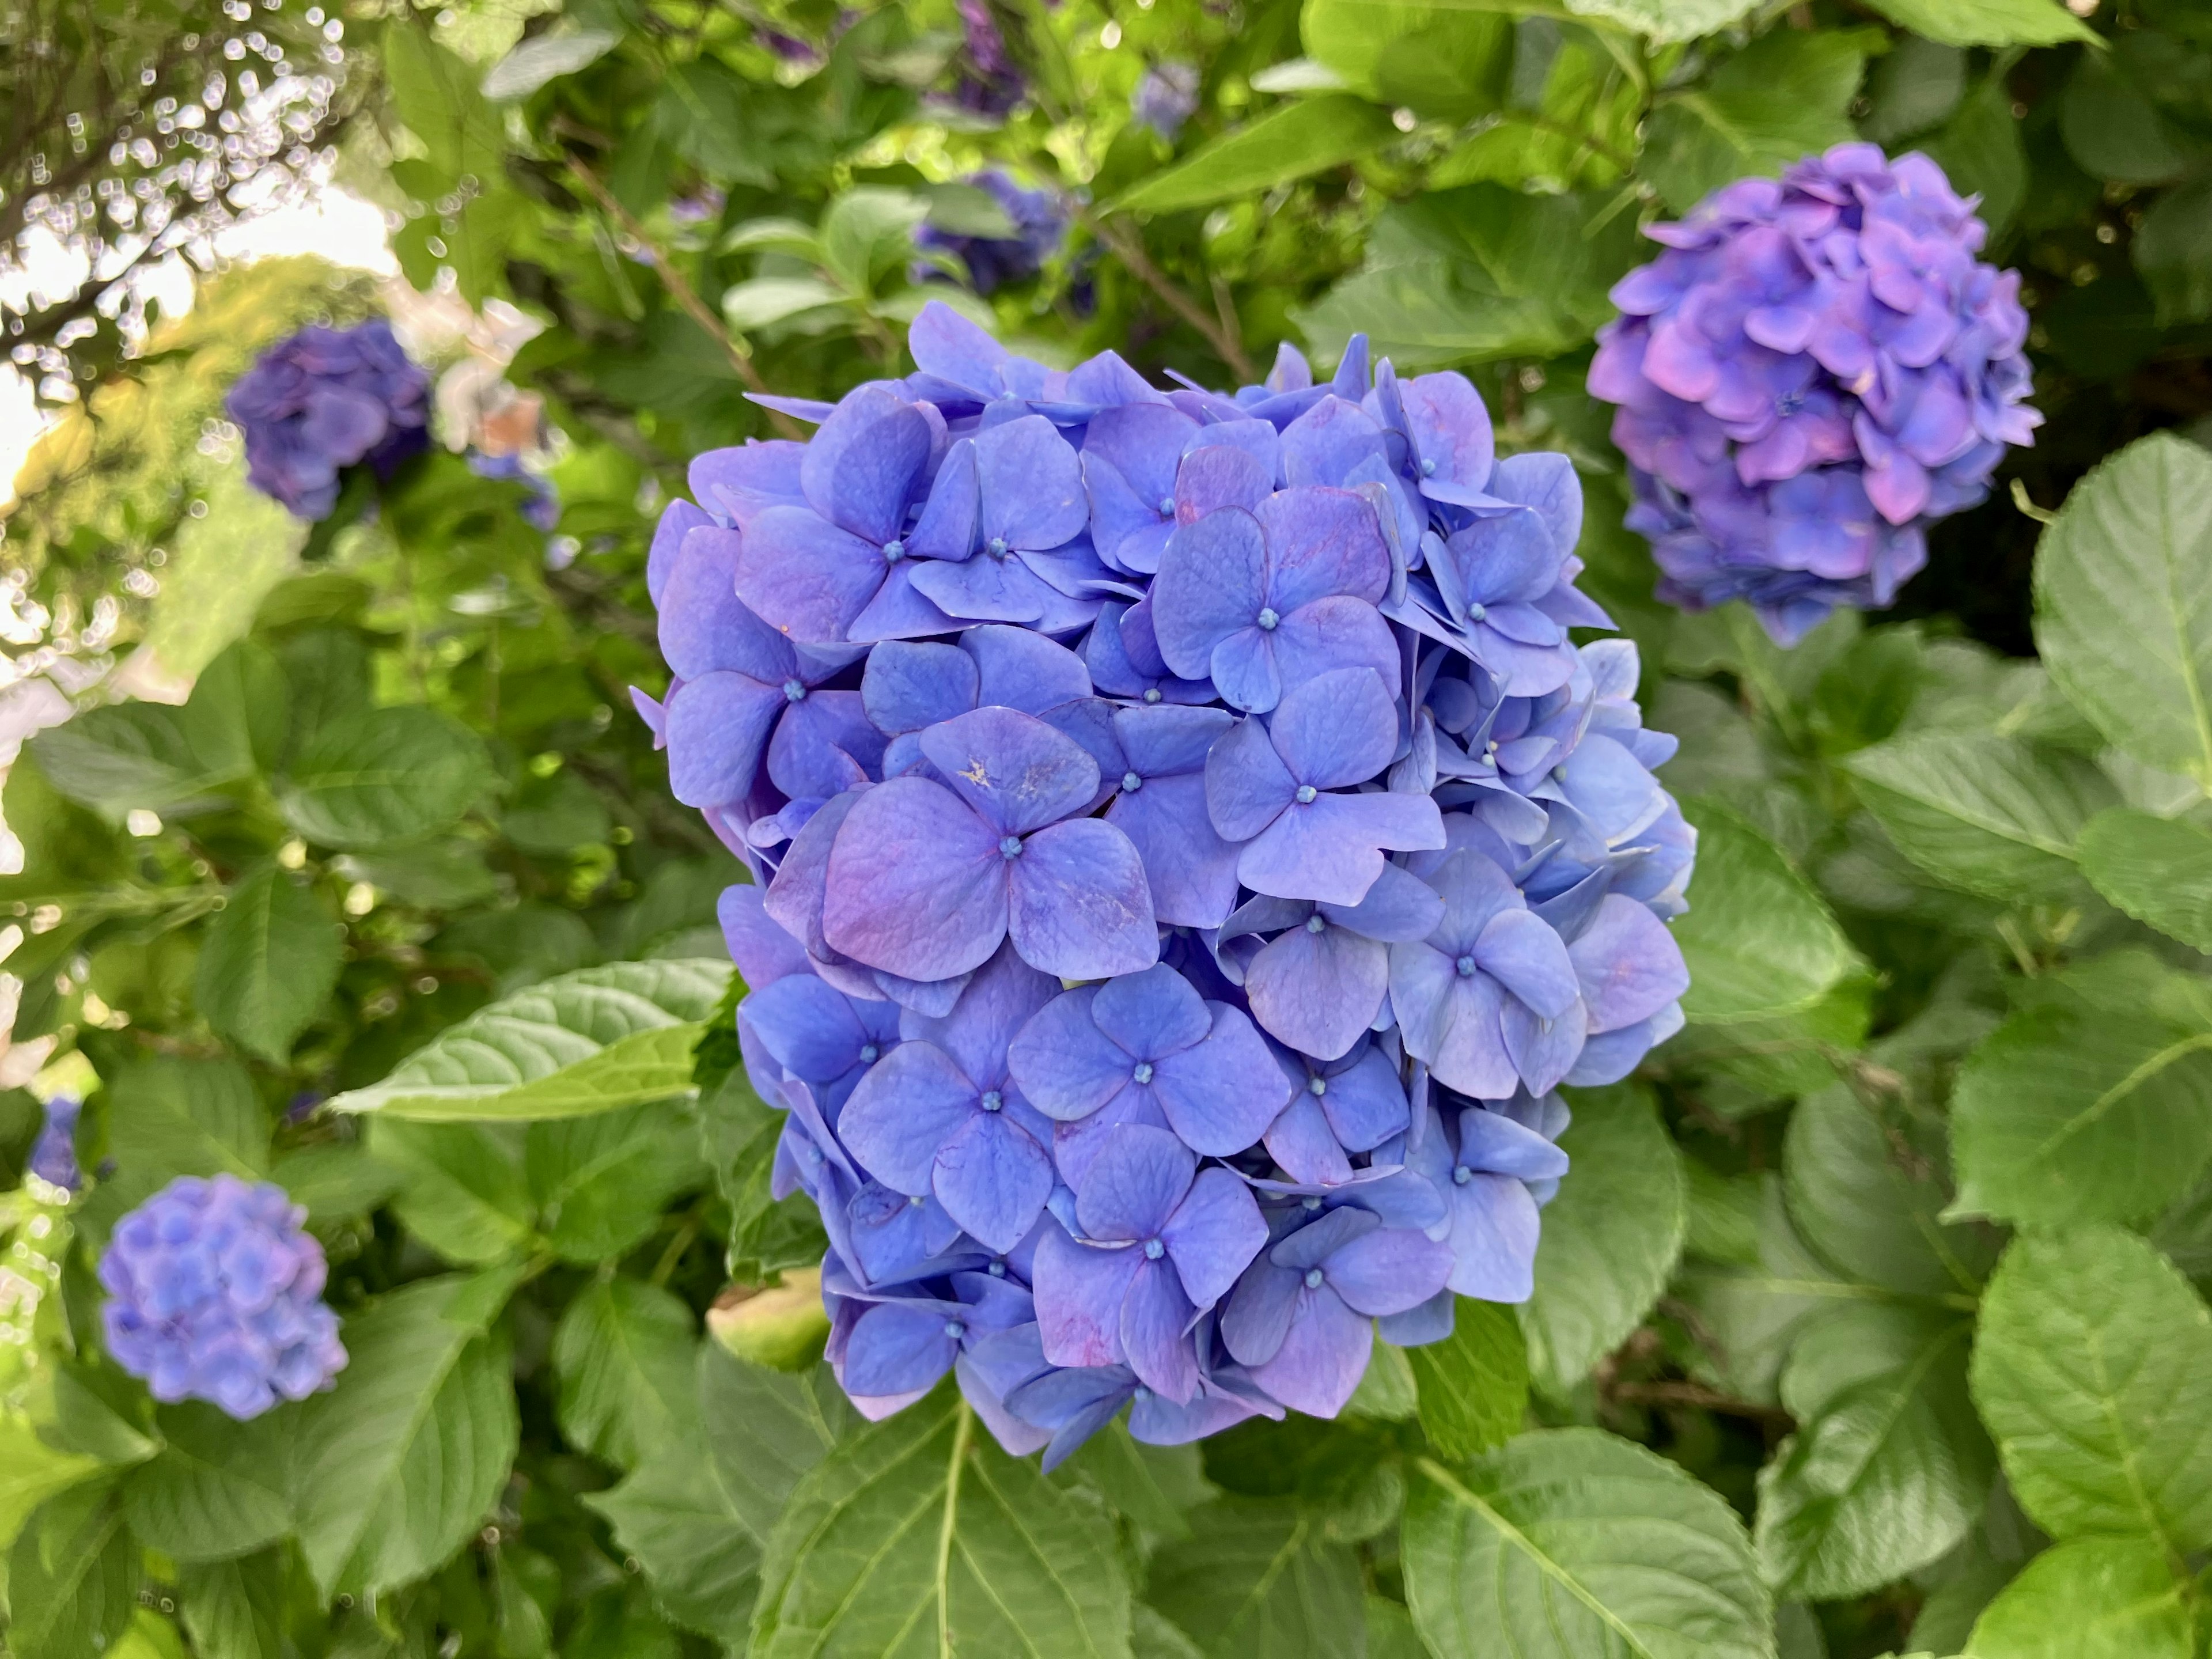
x: 684, y: 294
x: 1696, y: 1394
x: 1131, y: 252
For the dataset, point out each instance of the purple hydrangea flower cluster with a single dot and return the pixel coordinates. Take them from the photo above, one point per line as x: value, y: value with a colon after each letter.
x: 1191, y: 853
x: 1039, y: 219
x: 1166, y: 96
x: 53, y: 1154
x: 215, y: 1293
x: 1815, y: 371
x: 323, y: 400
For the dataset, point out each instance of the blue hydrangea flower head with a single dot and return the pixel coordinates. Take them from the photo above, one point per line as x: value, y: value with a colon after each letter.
x: 323, y: 400
x: 1190, y: 849
x: 53, y: 1154
x: 1039, y: 220
x: 215, y: 1293
x: 1816, y: 370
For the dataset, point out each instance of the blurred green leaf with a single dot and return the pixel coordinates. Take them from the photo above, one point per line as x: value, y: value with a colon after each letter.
x: 2090, y: 1598
x: 1472, y: 1386
x: 1784, y: 94
x: 624, y: 1350
x: 1308, y: 136
x: 2158, y: 870
x: 1987, y: 23
x: 382, y: 775
x: 1758, y: 940
x: 1261, y: 1575
x: 270, y: 958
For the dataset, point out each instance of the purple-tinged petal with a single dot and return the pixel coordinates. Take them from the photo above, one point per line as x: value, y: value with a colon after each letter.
x: 947, y: 528
x: 1330, y: 850
x: 795, y: 897
x: 1301, y: 1143
x: 1077, y: 904
x: 915, y: 884
x: 1317, y: 990
x: 1017, y: 773
x: 717, y: 726
x: 763, y: 951
x: 806, y: 577
x: 677, y: 520
x: 1156, y: 1319
x: 1032, y: 484
x: 910, y: 1104
x: 1151, y: 1014
x: 1079, y: 1292
x: 1322, y: 543
x: 1366, y: 1104
x: 1326, y: 444
x: 983, y: 589
x: 1339, y: 729
x: 1451, y: 1021
x: 1213, y: 1235
x: 1330, y: 635
x: 1212, y: 583
x: 1229, y: 464
x: 1399, y: 908
x: 1191, y: 869
x: 1075, y: 1144
x: 703, y: 624
x: 1322, y: 1357
x: 1259, y: 1312
x: 1524, y: 955
x: 1544, y: 1050
x: 810, y: 1029
x: 1065, y: 1065
x: 992, y: 1177
x: 1627, y: 964
x: 898, y: 1347
x: 1019, y: 668
x: 1389, y: 1271
x: 908, y: 685
x: 1449, y: 430
x: 1221, y: 1095
x: 1136, y: 1177
x: 861, y: 466
x: 1494, y: 1229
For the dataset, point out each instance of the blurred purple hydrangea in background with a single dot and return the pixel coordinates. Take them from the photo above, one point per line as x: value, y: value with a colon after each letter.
x: 1039, y: 219
x: 323, y: 400
x: 1166, y: 97
x: 1816, y: 370
x: 53, y: 1154
x: 989, y: 84
x: 215, y: 1293
x: 1190, y: 851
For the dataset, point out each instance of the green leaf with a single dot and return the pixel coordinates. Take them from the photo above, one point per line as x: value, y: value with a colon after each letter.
x: 1474, y: 1385
x: 599, y: 1183
x: 2092, y: 1368
x: 868, y: 232
x: 1888, y: 1469
x: 2158, y: 870
x: 335, y: 1183
x: 234, y: 1610
x: 584, y: 1043
x: 1980, y: 148
x: 72, y: 1576
x: 2091, y: 1598
x: 270, y: 958
x: 1261, y: 1576
x: 1453, y: 63
x: 1610, y: 1238
x: 2173, y: 250
x: 435, y: 94
x: 2075, y: 1109
x: 1758, y: 940
x: 1573, y: 1544
x: 919, y: 1536
x: 2123, y: 602
x: 31, y: 1472
x: 397, y: 1465
x: 1990, y: 815
x: 1867, y: 1191
x: 466, y: 1194
x: 699, y: 1524
x: 1667, y: 20
x: 1987, y: 23
x: 546, y: 57
x: 382, y: 775
x: 1308, y: 136
x: 216, y: 1490
x: 766, y: 301
x: 1786, y: 94
x: 624, y: 1354
x: 168, y: 1117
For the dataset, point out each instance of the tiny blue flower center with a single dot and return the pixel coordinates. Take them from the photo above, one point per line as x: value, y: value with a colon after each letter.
x: 1428, y: 467
x: 996, y: 547
x: 1011, y: 848
x: 955, y: 1329
x: 1144, y: 1071
x: 1311, y: 1202
x: 1559, y: 775
x: 1268, y: 619
x: 1466, y: 966
x: 894, y: 551
x: 1462, y: 1175
x: 869, y: 1054
x: 1154, y: 1249
x: 1167, y: 506
x: 1317, y: 924
x: 993, y: 1100
x: 914, y: 1203
x: 1151, y: 694
x: 1317, y: 1086
x: 1141, y: 1394
x: 1477, y: 613
x: 1306, y: 793
x: 1789, y: 403
x: 795, y: 690
x: 1131, y: 783
x: 997, y: 1270
x: 1313, y: 1278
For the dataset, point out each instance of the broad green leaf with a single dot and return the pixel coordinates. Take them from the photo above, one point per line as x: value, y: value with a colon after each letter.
x: 31, y: 1472
x: 1758, y: 940
x: 216, y: 1490
x: 234, y: 1610
x: 1981, y: 149
x: 1454, y: 63
x: 1610, y: 1238
x: 2112, y: 129
x: 1472, y: 1386
x: 919, y: 1536
x: 2090, y: 1598
x: 1887, y: 1470
x: 435, y: 94
x: 2173, y: 250
x: 270, y: 958
x: 584, y: 1043
x: 2123, y: 602
x: 466, y: 1194
x: 546, y: 57
x: 2077, y: 1109
x: 766, y: 301
x: 624, y: 1352
x: 381, y: 775
x: 1307, y: 136
x: 1387, y: 1392
x: 869, y: 231
x: 1987, y: 23
x: 1153, y: 1487
x: 336, y: 1182
x: 397, y: 1465
x: 699, y: 1523
x: 1754, y: 1312
x: 1866, y: 1188
x: 169, y: 1117
x: 2092, y: 1368
x: 1667, y: 20
x: 1573, y: 1544
x: 1990, y: 815
x: 72, y: 1576
x: 1261, y: 1575
x: 1784, y: 94
x: 599, y: 1183
x: 2158, y: 870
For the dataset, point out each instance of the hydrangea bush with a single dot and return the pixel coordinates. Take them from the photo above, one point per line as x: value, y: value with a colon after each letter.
x: 1190, y: 854
x: 1815, y: 371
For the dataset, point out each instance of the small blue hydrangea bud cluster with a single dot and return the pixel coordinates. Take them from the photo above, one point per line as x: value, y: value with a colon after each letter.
x: 1166, y: 96
x: 1039, y: 220
x: 1815, y: 371
x: 53, y: 1154
x: 215, y: 1293
x: 1191, y: 853
x: 323, y: 400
